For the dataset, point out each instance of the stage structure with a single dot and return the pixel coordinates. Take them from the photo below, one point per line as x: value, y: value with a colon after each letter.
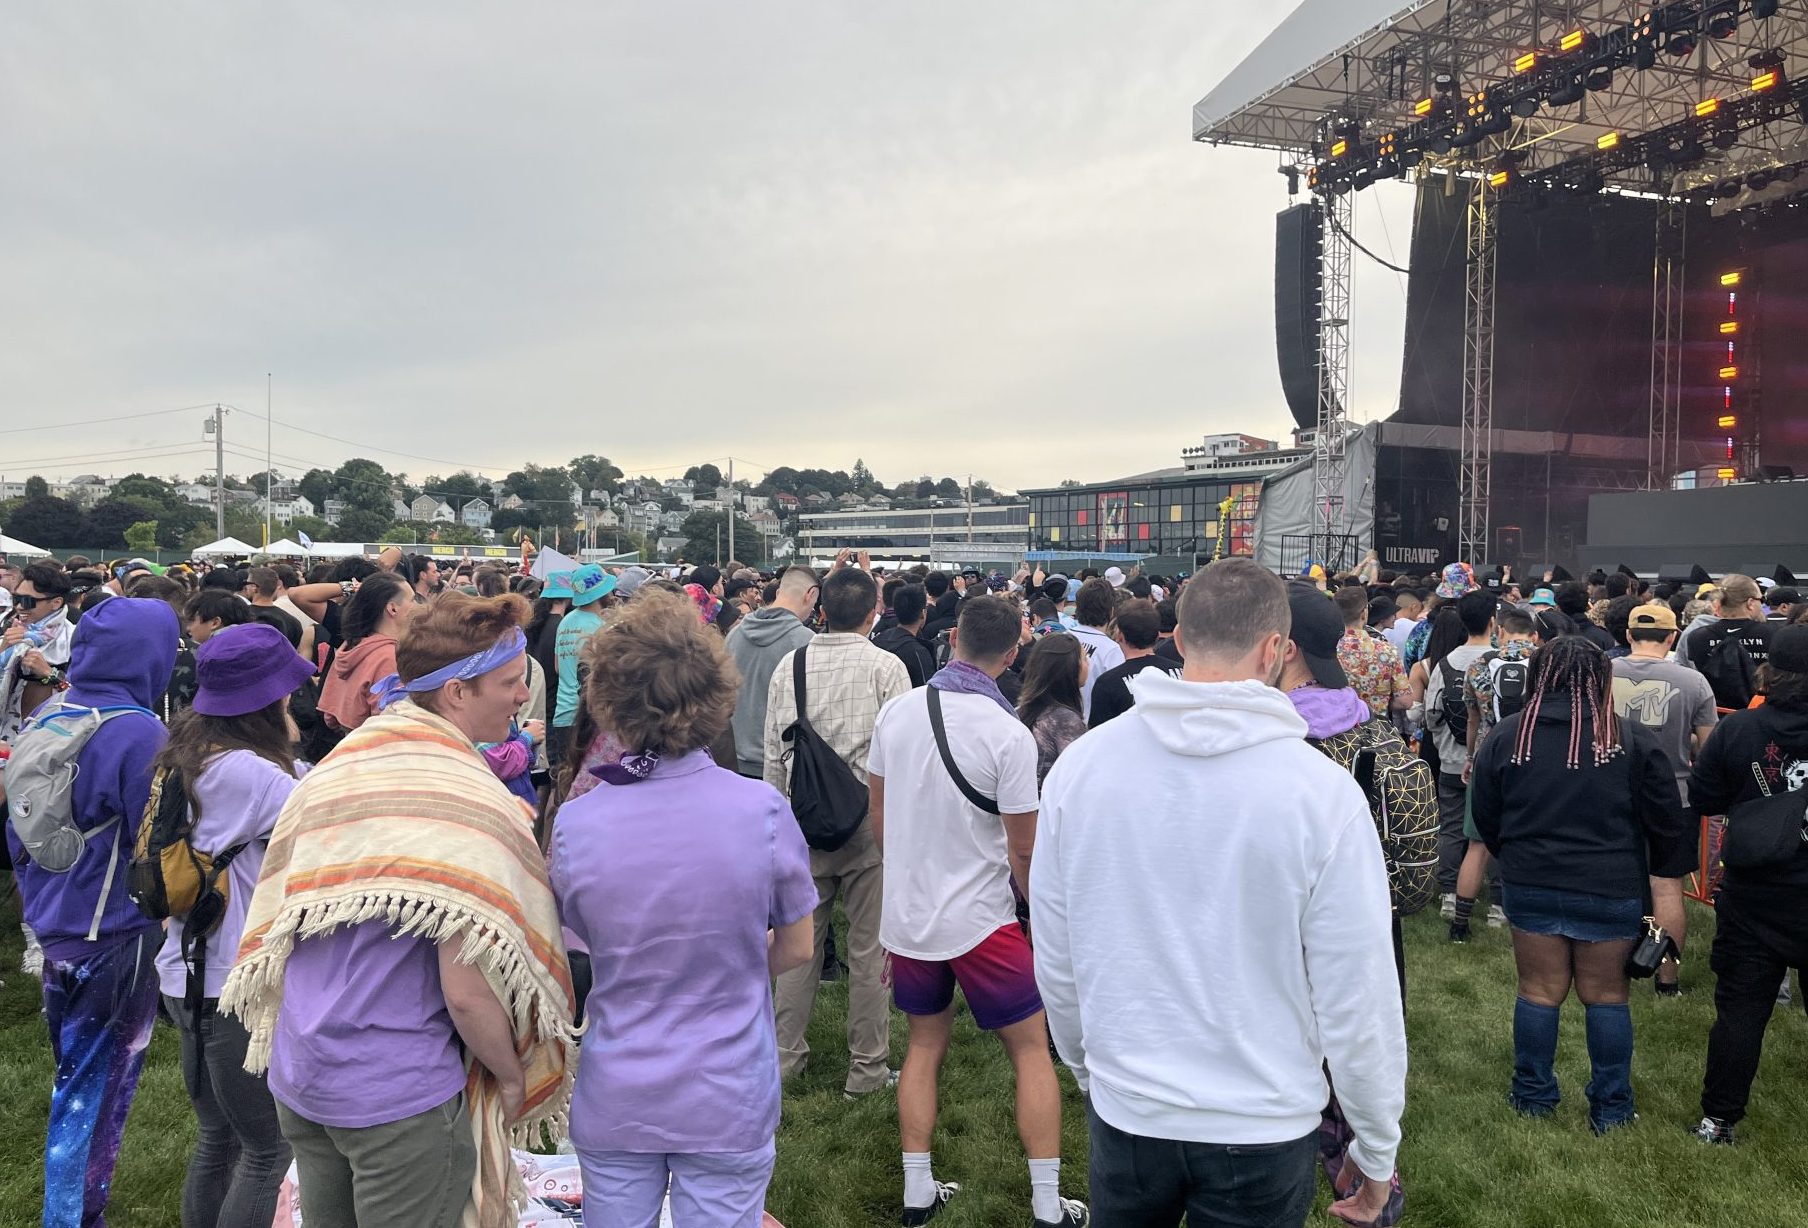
x: 1508, y: 99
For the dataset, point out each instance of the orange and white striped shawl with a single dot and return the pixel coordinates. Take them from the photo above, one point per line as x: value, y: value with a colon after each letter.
x: 404, y: 822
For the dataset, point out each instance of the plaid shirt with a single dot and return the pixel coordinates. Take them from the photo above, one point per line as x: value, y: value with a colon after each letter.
x: 846, y: 681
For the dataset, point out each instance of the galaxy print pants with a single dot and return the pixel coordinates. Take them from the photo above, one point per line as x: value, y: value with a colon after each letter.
x: 100, y: 1010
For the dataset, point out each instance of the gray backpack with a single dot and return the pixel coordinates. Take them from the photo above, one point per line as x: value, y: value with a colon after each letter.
x: 40, y: 783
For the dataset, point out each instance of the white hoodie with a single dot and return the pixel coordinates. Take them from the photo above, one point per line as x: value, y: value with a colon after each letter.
x: 1203, y: 952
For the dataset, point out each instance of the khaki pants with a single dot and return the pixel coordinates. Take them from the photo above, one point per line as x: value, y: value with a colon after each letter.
x: 855, y: 871
x: 412, y: 1173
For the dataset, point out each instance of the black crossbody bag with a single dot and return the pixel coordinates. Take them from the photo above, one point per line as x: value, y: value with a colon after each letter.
x: 987, y: 804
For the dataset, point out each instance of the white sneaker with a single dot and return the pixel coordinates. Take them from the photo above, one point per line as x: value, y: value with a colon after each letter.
x: 1447, y: 910
x: 1496, y: 917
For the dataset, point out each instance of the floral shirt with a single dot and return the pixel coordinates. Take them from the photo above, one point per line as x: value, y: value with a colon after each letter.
x: 1373, y: 666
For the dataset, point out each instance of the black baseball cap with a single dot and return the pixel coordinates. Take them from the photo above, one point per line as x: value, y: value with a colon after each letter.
x: 1789, y: 649
x: 1317, y: 627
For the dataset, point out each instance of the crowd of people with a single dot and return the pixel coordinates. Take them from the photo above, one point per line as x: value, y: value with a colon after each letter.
x: 423, y: 859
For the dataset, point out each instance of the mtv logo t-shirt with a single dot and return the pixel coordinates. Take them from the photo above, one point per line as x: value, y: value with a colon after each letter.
x: 1669, y: 699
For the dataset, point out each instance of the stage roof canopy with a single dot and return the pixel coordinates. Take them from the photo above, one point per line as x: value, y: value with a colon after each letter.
x: 1373, y: 59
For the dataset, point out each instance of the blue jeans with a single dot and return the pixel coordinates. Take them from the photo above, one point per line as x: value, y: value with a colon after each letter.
x: 1141, y: 1182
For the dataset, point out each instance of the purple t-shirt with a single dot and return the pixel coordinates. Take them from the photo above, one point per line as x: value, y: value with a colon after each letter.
x: 672, y: 884
x: 241, y: 794
x: 364, y: 1037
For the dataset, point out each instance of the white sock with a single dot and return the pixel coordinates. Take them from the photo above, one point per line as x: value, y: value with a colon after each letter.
x: 1045, y: 1190
x: 919, y: 1181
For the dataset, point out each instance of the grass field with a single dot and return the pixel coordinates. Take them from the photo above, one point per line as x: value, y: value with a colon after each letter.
x: 1467, y: 1160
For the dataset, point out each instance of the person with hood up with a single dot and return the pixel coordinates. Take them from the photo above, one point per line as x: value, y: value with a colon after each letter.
x: 373, y: 619
x: 1270, y: 905
x: 100, y: 951
x: 757, y: 644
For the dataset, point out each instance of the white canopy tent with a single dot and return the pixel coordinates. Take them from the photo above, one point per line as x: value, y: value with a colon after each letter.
x: 282, y: 547
x: 335, y: 550
x: 225, y: 547
x: 12, y: 545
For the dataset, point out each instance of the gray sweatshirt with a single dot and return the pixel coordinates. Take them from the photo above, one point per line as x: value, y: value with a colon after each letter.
x: 757, y: 644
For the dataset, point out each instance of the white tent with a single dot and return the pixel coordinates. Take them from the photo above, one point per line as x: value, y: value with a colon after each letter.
x: 282, y: 547
x: 12, y: 545
x: 223, y: 548
x: 336, y: 550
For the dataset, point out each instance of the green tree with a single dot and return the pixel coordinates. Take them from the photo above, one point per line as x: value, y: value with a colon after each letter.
x: 458, y: 489
x: 156, y: 491
x: 142, y: 537
x: 364, y: 485
x: 181, y: 519
x: 317, y: 486
x: 706, y: 533
x: 547, y: 490
x: 453, y: 535
x: 948, y: 488
x: 862, y: 477
x: 703, y: 478
x: 36, y: 487
x: 593, y: 472
x: 316, y: 528
x: 112, y: 516
x: 47, y: 521
x: 359, y: 524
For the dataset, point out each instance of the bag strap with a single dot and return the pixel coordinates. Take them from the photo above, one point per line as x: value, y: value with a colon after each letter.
x: 941, y: 744
x: 797, y: 679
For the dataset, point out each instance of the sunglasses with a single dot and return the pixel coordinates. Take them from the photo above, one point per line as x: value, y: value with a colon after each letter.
x: 25, y: 601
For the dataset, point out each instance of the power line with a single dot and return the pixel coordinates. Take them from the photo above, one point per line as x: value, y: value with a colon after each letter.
x: 369, y: 447
x: 58, y: 426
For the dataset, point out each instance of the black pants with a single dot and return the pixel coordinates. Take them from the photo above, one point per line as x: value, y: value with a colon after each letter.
x: 1755, y: 942
x: 1150, y: 1183
x: 240, y: 1155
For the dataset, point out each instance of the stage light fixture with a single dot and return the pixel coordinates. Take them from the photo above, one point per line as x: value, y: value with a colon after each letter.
x: 1525, y: 107
x: 1728, y: 422
x: 1729, y: 374
x: 1788, y: 174
x: 1733, y: 278
x: 1706, y: 107
x: 1721, y: 25
x: 1725, y: 137
x: 1575, y: 40
x: 1764, y: 8
x: 1726, y: 189
x: 1758, y: 180
x: 1591, y: 181
x: 1339, y: 148
x: 1682, y: 44
x: 1729, y: 475
x: 1568, y: 93
x: 1499, y: 179
x: 1607, y: 141
x: 1598, y: 79
x: 1364, y: 178
x: 1526, y: 63
x: 1766, y: 81
x: 1348, y: 128
x: 1410, y: 159
x: 1424, y: 107
x: 1729, y: 328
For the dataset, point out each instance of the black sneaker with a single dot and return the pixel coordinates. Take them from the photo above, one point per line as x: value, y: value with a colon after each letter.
x: 1459, y: 933
x: 1073, y: 1215
x: 832, y: 970
x: 944, y: 1190
x: 1713, y: 1130
x: 1667, y: 989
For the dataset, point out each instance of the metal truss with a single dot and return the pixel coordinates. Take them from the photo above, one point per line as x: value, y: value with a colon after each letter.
x: 1336, y: 215
x: 1476, y: 478
x: 1668, y: 298
x: 1380, y: 75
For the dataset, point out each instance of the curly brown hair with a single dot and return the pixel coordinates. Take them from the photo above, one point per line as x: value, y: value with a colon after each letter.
x: 659, y: 680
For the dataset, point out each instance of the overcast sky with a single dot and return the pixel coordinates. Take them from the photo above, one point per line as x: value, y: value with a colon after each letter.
x: 943, y: 237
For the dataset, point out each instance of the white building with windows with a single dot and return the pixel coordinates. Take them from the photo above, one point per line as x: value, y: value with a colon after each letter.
x: 475, y: 514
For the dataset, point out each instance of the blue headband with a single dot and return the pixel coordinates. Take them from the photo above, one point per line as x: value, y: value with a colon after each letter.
x: 388, y: 690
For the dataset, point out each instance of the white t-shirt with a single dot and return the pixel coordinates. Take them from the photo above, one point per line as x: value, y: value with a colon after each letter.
x: 947, y: 871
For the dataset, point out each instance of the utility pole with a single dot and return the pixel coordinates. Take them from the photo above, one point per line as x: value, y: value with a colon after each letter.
x: 269, y: 427
x: 216, y: 426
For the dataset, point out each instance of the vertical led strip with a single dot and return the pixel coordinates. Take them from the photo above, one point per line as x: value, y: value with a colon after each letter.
x: 1731, y: 282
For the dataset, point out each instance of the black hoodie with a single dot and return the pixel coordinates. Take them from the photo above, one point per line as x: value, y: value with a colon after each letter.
x: 1772, y: 742
x: 918, y: 660
x: 1579, y: 830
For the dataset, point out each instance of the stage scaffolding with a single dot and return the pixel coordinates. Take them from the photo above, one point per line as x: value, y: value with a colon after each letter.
x: 1369, y: 62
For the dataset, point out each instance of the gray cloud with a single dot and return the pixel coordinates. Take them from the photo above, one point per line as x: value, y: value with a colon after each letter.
x: 942, y: 237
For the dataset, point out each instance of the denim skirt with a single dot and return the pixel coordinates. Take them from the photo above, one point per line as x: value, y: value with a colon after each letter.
x: 1577, y: 915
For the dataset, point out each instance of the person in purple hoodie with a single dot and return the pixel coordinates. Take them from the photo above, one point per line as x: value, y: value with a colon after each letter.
x: 100, y: 952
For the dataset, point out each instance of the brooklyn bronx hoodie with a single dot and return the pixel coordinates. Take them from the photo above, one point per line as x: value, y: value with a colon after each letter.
x: 1204, y: 952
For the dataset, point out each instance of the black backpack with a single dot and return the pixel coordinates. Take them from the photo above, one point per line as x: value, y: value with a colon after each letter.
x: 1512, y: 686
x: 1451, y: 704
x: 828, y: 799
x: 1729, y: 669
